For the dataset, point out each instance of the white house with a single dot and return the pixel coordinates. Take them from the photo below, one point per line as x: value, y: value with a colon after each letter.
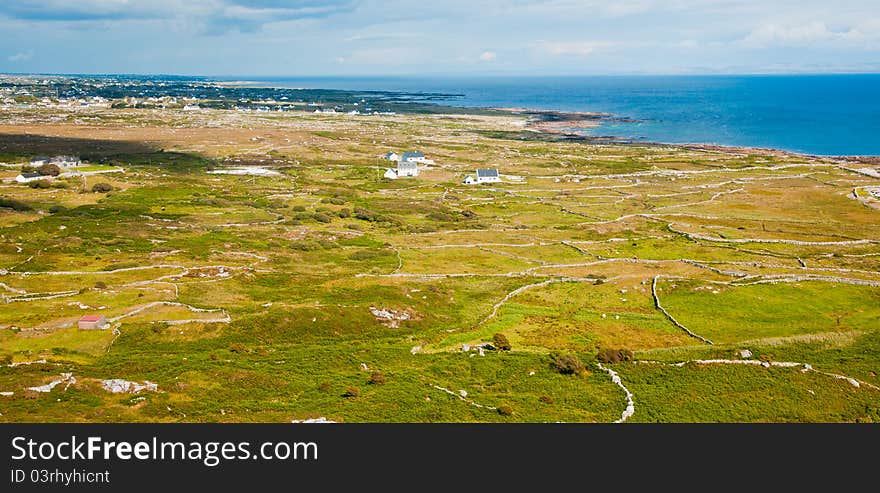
x: 407, y: 168
x: 65, y: 161
x: 404, y: 168
x: 29, y: 177
x: 414, y: 156
x: 39, y: 161
x: 487, y: 175
x: 392, y: 156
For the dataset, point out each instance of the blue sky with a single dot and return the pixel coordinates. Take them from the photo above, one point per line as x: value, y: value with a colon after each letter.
x: 455, y: 37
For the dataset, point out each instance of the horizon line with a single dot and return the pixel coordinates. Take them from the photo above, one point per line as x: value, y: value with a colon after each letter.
x: 251, y: 77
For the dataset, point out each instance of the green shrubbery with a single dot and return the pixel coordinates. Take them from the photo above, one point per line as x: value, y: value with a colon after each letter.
x: 322, y: 217
x: 376, y: 378
x: 566, y: 363
x: 501, y: 342
x: 614, y: 355
x: 13, y: 204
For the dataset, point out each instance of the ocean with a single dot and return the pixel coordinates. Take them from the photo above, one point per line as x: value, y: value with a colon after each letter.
x: 813, y: 114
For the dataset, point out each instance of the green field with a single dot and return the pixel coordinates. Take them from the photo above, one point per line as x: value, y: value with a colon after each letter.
x: 324, y: 290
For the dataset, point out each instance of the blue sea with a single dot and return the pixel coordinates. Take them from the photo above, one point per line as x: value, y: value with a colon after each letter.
x: 814, y: 114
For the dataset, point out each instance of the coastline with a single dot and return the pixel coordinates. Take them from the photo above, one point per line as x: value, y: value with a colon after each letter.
x: 559, y: 123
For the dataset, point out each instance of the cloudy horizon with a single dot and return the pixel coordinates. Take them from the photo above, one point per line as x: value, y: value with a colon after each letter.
x: 398, y: 37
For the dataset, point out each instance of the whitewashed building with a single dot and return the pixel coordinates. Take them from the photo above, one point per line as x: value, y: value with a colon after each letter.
x: 484, y: 175
x: 407, y: 168
x: 29, y: 177
x: 65, y: 161
x: 414, y: 156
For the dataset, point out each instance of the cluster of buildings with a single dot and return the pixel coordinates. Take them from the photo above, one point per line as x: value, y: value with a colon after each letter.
x: 63, y: 162
x: 408, y: 165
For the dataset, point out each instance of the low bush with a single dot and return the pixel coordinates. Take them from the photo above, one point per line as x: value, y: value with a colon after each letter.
x: 614, y: 355
x: 102, y: 187
x: 322, y: 217
x: 565, y: 363
x: 40, y: 184
x: 501, y: 342
x: 13, y: 204
x: 377, y: 378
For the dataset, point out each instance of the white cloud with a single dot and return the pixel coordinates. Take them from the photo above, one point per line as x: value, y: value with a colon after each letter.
x: 488, y: 56
x: 574, y: 48
x: 816, y: 33
x: 22, y: 56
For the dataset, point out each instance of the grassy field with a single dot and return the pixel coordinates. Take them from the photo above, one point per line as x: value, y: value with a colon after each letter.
x: 745, y: 283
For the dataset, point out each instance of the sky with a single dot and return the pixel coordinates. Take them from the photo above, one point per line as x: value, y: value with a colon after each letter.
x: 438, y: 37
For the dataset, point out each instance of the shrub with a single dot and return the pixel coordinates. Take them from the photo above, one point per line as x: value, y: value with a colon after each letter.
x: 377, y: 378
x: 100, y: 285
x: 55, y: 209
x: 501, y: 342
x: 344, y: 213
x: 368, y: 215
x: 13, y: 204
x: 505, y: 410
x: 6, y: 359
x: 209, y: 167
x: 238, y: 348
x: 101, y: 187
x: 322, y: 217
x: 299, y: 208
x: 40, y: 184
x: 324, y: 386
x: 546, y: 399
x: 49, y: 170
x: 614, y: 355
x: 566, y: 363
x: 440, y: 217
x: 351, y: 392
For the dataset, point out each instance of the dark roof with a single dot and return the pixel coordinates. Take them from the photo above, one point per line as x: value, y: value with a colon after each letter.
x: 30, y: 175
x: 487, y: 173
x: 407, y: 165
x: 407, y: 155
x: 40, y: 158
